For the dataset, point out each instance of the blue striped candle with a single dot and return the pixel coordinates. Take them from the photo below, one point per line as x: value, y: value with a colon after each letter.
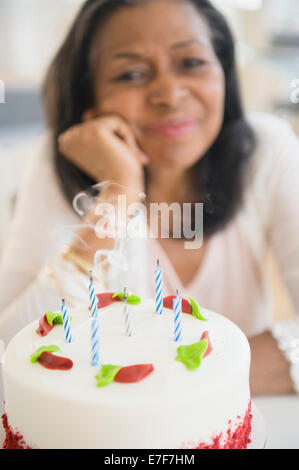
x: 66, y: 322
x: 95, y: 327
x: 129, y: 331
x: 92, y: 297
x: 158, y: 289
x: 177, y: 310
x: 95, y: 342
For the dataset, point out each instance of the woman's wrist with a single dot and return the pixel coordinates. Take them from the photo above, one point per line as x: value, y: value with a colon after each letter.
x: 128, y: 182
x: 69, y: 253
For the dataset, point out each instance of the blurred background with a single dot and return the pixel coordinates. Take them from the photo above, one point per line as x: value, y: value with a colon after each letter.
x: 267, y: 37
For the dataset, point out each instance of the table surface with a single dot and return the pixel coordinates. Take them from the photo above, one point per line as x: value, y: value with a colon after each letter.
x: 281, y: 416
x: 280, y: 413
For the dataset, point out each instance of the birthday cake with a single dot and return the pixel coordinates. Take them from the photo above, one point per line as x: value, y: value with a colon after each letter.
x: 148, y: 391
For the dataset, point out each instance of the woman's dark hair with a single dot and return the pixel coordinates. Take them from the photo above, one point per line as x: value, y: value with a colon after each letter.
x: 69, y: 91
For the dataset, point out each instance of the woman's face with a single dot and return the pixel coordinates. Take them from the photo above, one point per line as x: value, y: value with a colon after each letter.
x: 156, y: 68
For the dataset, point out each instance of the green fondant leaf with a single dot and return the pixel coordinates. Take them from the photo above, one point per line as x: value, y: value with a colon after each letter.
x: 52, y: 348
x: 191, y: 354
x: 54, y: 317
x: 196, y: 310
x: 131, y: 298
x: 120, y: 295
x: 107, y: 374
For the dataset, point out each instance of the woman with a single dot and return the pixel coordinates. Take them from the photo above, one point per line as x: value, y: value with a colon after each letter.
x: 156, y: 109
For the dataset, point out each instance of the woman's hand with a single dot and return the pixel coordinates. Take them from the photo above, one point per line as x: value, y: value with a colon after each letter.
x: 106, y: 150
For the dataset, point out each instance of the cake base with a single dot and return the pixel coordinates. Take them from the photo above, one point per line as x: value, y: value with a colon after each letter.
x: 13, y: 440
x: 257, y: 435
x: 238, y: 437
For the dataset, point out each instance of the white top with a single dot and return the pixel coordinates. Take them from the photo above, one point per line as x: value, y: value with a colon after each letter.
x: 232, y: 279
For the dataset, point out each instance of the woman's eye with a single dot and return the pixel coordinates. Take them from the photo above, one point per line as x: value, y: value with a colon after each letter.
x: 193, y: 62
x: 130, y: 76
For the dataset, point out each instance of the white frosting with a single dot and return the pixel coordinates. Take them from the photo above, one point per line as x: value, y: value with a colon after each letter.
x: 170, y: 408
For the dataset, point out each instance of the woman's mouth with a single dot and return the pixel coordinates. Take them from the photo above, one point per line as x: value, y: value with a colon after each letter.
x: 173, y: 128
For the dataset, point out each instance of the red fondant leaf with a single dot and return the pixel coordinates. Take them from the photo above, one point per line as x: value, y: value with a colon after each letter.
x: 50, y: 361
x: 186, y: 306
x: 133, y: 373
x: 44, y: 328
x: 205, y: 335
x: 106, y: 299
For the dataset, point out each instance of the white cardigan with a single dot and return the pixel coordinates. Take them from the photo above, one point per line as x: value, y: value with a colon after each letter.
x: 44, y: 222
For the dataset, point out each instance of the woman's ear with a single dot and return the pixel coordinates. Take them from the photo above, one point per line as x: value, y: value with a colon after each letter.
x: 88, y: 115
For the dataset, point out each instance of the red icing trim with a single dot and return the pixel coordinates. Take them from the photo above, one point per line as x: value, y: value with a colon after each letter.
x: 205, y: 335
x: 50, y: 361
x: 13, y: 440
x: 44, y: 327
x: 186, y: 306
x: 233, y: 439
x: 133, y: 373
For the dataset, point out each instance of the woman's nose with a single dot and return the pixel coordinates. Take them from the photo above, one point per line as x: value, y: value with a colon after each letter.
x: 167, y: 90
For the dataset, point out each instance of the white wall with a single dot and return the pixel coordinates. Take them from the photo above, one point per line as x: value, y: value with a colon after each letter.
x: 30, y: 33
